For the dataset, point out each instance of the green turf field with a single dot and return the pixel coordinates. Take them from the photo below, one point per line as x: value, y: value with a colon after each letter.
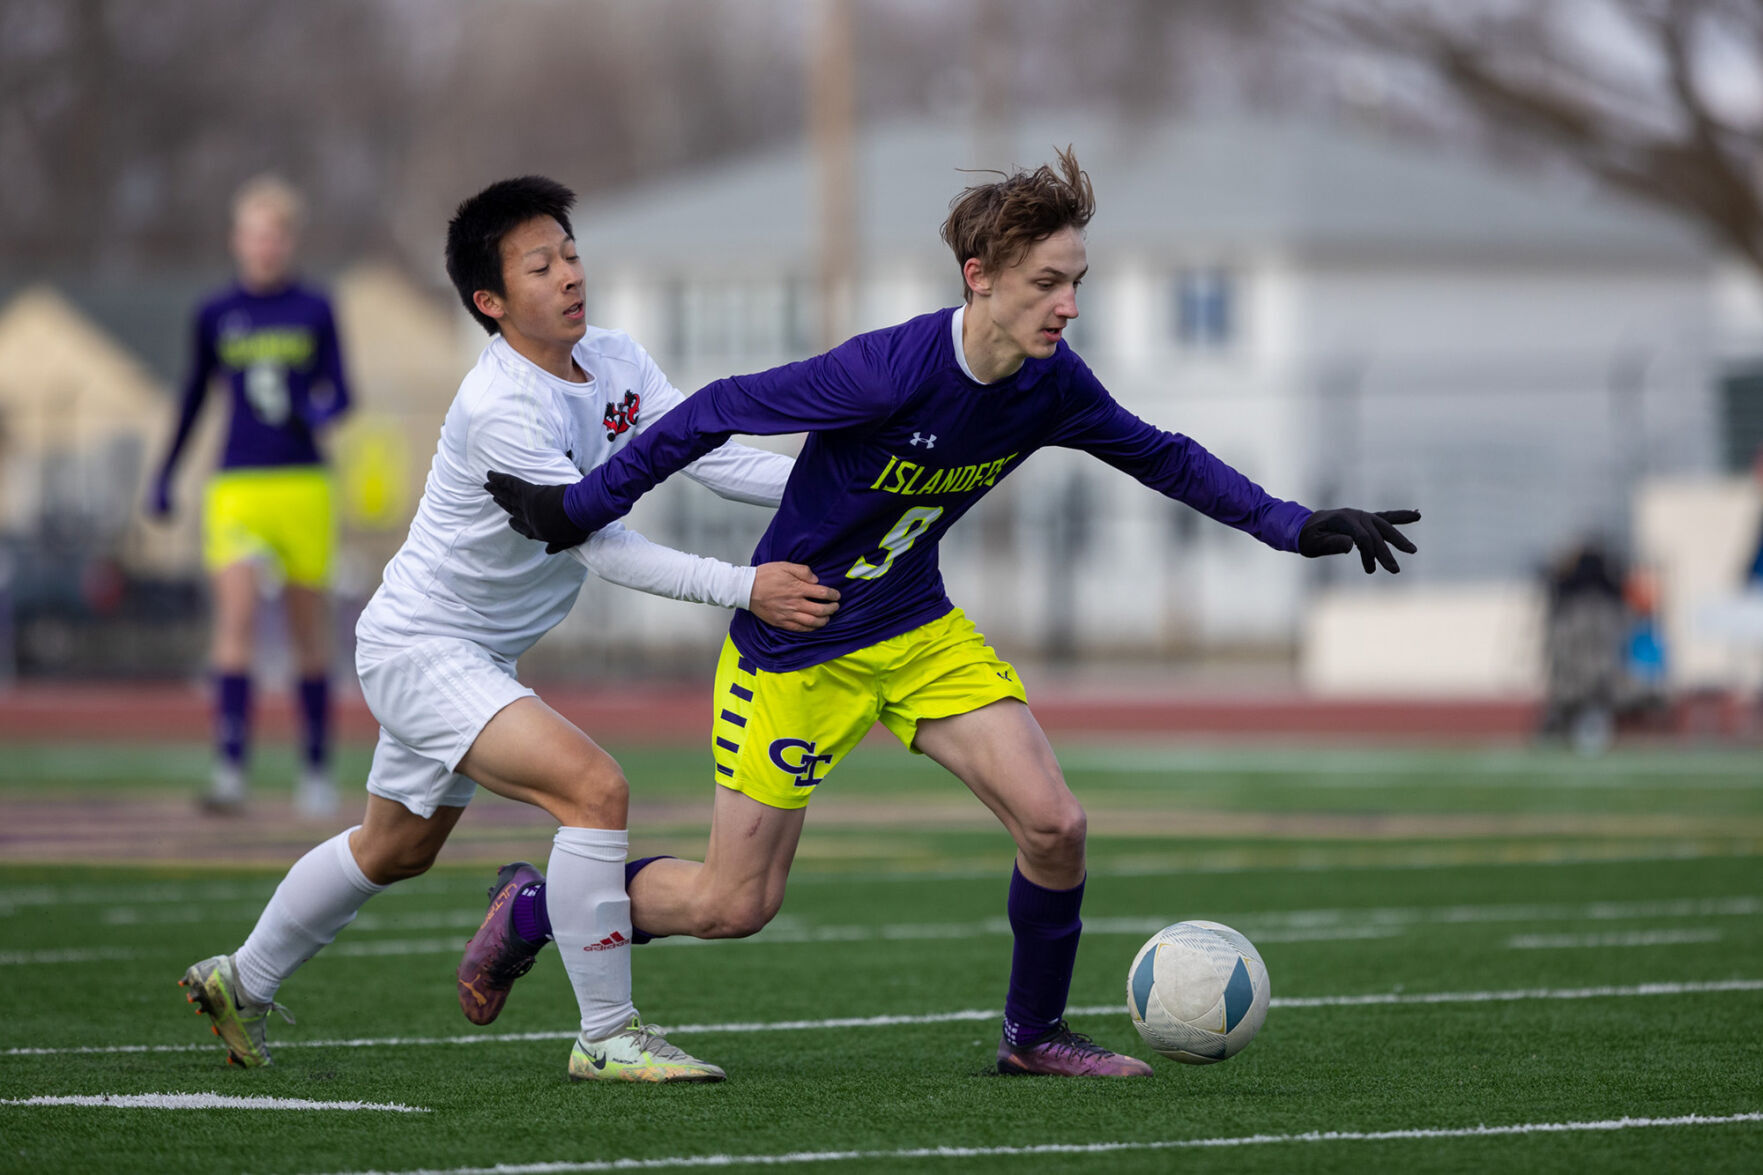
x: 1480, y: 960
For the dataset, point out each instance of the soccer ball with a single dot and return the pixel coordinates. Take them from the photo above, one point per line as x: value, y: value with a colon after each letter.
x: 1197, y: 992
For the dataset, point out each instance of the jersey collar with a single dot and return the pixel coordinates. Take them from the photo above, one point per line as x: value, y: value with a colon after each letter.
x: 955, y: 321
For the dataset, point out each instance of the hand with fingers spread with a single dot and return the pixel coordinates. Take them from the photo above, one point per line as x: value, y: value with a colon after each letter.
x: 788, y: 596
x: 1335, y: 532
x: 536, y: 511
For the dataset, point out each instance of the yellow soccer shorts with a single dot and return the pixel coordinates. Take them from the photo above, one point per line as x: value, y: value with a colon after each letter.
x: 776, y: 736
x: 281, y: 514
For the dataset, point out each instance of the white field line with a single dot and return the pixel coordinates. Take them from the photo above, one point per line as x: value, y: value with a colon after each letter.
x: 970, y: 1014
x: 1535, y: 993
x: 1280, y: 925
x: 1385, y: 858
x: 1631, y: 938
x: 71, y: 955
x: 204, y: 1101
x: 204, y: 895
x: 794, y: 1158
x: 1283, y: 926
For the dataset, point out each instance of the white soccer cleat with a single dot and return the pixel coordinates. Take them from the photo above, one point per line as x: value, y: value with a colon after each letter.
x: 636, y: 1052
x: 226, y: 790
x: 315, y: 795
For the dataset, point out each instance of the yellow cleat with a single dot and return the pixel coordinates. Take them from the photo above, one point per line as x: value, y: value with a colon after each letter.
x: 213, y: 986
x: 636, y: 1052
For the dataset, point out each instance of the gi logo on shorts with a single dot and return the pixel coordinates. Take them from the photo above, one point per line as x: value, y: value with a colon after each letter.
x: 795, y: 756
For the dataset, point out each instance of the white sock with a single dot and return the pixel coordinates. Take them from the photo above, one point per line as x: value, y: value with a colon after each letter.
x: 317, y: 898
x: 591, y: 923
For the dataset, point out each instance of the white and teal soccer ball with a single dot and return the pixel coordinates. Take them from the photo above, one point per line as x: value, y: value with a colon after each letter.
x: 1197, y: 992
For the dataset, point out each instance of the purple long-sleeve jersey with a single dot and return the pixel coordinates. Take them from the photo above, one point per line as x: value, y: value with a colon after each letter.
x: 283, y: 367
x: 901, y: 443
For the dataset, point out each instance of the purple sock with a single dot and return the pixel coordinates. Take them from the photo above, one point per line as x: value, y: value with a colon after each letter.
x: 315, y: 713
x: 232, y: 716
x: 1046, y: 925
x: 531, y: 920
x: 631, y: 869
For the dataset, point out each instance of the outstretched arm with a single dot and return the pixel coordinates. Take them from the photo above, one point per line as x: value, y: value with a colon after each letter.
x: 829, y: 391
x: 1181, y: 468
x: 732, y: 470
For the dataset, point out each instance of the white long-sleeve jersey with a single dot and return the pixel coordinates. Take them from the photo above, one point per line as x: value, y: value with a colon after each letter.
x: 464, y: 573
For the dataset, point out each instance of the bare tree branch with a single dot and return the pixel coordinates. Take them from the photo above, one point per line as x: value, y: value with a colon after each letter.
x: 1524, y: 77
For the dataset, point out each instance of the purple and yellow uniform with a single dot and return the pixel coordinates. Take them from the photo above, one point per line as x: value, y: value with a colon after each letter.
x: 902, y: 442
x: 271, y: 496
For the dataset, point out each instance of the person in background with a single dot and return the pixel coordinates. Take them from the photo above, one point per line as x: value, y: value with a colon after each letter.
x: 1585, y: 630
x: 267, y: 510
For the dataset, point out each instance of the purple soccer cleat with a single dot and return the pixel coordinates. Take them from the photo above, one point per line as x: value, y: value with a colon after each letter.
x: 1064, y: 1053
x: 496, y: 956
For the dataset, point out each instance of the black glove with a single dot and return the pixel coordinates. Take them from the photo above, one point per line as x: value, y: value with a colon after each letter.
x: 1335, y: 532
x: 536, y: 511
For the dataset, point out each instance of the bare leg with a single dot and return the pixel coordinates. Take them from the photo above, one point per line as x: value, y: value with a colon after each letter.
x: 324, y: 889
x: 740, y: 885
x: 531, y: 753
x: 394, y: 844
x: 235, y: 615
x: 309, y: 626
x: 1000, y: 752
x: 309, y: 629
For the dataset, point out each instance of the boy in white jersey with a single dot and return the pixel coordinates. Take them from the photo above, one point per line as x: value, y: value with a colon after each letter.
x: 462, y: 599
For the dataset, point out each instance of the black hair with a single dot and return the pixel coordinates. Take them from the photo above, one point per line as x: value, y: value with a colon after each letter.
x: 474, y: 235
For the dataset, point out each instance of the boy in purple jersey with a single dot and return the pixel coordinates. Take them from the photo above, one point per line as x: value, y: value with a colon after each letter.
x: 273, y: 340
x: 908, y: 427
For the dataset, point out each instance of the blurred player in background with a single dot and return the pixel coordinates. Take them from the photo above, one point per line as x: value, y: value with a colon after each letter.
x: 908, y: 428
x: 460, y: 601
x: 268, y: 507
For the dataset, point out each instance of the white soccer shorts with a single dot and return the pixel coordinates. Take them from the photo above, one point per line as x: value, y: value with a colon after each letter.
x: 432, y: 699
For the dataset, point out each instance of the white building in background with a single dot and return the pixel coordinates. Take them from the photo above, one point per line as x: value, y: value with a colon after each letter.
x: 1345, y: 319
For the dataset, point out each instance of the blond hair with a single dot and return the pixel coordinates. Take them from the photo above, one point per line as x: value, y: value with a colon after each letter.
x: 272, y: 193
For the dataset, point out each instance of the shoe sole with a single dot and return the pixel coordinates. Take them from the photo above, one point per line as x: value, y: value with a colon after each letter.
x: 1012, y: 1071
x: 643, y: 1076
x: 1009, y: 1069
x: 196, y: 992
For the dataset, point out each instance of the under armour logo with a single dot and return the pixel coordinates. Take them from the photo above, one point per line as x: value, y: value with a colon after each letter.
x: 805, y: 766
x: 929, y: 442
